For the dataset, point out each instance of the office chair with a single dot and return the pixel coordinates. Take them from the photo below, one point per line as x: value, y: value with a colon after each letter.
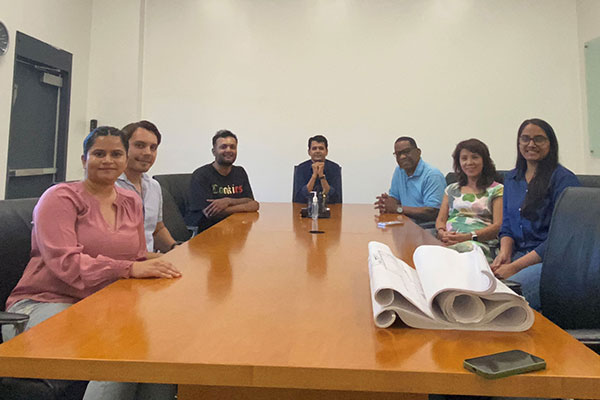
x: 15, y: 247
x: 174, y: 192
x: 294, y: 185
x: 589, y: 180
x: 570, y: 278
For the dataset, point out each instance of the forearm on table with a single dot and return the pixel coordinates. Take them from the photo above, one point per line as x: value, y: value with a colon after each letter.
x: 421, y: 213
x: 163, y: 240
x: 248, y: 205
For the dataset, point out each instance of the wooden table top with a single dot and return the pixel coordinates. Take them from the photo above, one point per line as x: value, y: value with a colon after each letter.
x: 263, y: 302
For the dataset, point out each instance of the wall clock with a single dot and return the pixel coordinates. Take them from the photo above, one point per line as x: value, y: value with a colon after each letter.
x: 3, y: 39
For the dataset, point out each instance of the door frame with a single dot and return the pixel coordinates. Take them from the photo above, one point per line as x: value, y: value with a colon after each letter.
x: 31, y: 50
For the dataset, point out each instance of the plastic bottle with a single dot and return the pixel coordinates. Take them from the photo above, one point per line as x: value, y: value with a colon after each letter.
x: 314, y: 208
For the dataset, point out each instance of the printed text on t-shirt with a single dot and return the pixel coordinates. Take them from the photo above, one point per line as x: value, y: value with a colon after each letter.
x: 229, y: 189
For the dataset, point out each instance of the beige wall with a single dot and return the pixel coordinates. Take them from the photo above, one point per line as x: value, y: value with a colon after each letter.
x: 61, y: 23
x: 277, y: 72
x: 362, y: 73
x: 114, y: 96
x: 588, y: 23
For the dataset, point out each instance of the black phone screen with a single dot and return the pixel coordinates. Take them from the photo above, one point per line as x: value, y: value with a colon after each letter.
x: 504, y: 364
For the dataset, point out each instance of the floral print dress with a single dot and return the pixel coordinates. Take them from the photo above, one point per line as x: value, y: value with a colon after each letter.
x: 470, y: 212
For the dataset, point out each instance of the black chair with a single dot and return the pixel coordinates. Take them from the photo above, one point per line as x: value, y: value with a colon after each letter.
x: 294, y: 198
x: 592, y: 181
x: 570, y: 280
x: 15, y: 247
x: 174, y: 192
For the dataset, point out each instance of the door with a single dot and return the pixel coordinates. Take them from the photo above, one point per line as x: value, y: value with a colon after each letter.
x: 38, y: 134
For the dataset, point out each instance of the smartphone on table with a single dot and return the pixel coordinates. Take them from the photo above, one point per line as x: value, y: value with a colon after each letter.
x: 504, y: 364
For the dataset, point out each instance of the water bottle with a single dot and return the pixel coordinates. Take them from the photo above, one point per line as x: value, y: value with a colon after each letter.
x: 314, y: 206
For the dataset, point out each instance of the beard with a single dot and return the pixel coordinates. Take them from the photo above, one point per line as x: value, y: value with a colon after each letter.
x: 225, y: 162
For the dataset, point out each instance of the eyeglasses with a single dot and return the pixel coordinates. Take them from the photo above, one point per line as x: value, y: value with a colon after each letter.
x: 404, y: 152
x: 539, y: 139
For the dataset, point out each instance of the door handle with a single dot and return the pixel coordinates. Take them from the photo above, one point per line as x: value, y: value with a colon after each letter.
x: 15, y: 94
x: 31, y: 172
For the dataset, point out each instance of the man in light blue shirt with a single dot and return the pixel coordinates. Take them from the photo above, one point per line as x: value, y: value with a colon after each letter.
x: 144, y: 138
x: 417, y: 187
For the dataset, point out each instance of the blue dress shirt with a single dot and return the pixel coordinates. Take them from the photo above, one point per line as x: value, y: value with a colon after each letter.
x: 152, y: 199
x: 531, y: 235
x: 424, y: 188
x: 333, y: 174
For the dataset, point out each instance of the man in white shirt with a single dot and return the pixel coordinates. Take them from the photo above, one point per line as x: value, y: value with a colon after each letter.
x: 144, y: 138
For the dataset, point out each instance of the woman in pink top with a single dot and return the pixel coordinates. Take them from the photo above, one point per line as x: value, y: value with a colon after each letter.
x: 85, y: 236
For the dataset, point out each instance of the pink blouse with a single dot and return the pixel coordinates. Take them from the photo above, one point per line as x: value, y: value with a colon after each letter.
x: 74, y: 252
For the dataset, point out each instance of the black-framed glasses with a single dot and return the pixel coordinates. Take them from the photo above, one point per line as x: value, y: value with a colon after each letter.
x: 539, y: 139
x: 404, y: 152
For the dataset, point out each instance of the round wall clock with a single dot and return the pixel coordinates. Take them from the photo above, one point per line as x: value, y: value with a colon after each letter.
x: 3, y: 39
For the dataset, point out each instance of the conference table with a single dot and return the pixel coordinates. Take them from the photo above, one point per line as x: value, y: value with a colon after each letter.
x: 266, y: 309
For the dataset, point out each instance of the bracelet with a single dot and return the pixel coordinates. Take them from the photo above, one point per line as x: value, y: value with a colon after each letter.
x: 322, y: 177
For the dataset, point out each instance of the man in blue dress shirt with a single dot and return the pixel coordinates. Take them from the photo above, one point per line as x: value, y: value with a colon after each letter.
x: 318, y: 174
x: 417, y: 188
x: 144, y: 139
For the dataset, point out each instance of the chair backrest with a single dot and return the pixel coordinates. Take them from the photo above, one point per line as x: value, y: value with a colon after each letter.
x: 294, y: 199
x: 174, y: 192
x: 589, y: 180
x: 341, y: 187
x: 570, y: 281
x: 15, y: 242
x: 177, y: 185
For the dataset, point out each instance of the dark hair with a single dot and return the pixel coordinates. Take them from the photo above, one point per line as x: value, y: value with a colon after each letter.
x: 318, y: 139
x: 223, y: 133
x: 538, y: 186
x: 488, y: 173
x: 90, y: 139
x: 407, y: 139
x: 129, y: 129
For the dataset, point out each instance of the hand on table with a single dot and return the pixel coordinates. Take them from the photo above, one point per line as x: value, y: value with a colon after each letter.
x: 386, y: 204
x: 216, y: 206
x: 154, y: 268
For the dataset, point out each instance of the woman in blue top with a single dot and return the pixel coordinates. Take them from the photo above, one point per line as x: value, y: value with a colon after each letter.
x: 530, y: 193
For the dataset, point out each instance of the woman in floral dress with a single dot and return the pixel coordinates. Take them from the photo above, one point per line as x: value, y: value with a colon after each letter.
x: 471, y: 211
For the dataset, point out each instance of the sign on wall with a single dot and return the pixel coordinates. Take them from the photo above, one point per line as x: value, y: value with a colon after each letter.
x: 592, y: 76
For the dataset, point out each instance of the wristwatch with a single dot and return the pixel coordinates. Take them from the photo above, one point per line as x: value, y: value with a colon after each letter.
x: 474, y: 237
x: 322, y: 177
x: 399, y: 210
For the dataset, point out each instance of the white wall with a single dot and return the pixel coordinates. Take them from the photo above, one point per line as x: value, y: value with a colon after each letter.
x: 114, y: 96
x: 588, y: 17
x: 362, y: 73
x: 277, y: 72
x: 61, y: 23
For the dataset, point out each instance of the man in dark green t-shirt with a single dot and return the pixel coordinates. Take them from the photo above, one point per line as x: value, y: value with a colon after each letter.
x: 219, y: 189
